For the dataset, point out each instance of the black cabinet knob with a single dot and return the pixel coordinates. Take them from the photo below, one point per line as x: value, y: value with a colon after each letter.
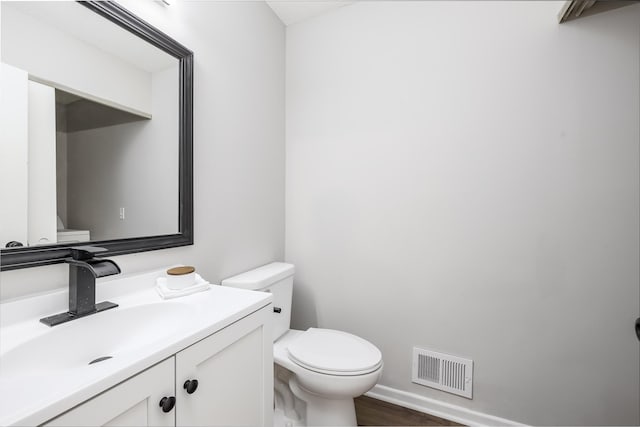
x: 167, y: 403
x: 190, y: 386
x: 638, y: 328
x: 277, y: 309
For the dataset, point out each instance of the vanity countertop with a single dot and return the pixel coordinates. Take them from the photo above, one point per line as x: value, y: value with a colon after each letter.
x: 45, y: 371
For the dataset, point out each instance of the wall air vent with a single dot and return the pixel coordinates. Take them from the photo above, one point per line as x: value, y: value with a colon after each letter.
x: 443, y: 372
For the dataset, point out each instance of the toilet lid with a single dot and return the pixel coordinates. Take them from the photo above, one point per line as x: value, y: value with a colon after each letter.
x: 334, y: 352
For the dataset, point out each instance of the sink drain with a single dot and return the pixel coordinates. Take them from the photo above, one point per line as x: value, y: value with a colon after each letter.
x: 100, y: 359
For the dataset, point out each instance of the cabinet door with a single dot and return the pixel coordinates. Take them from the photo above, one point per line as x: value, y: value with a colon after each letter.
x: 234, y: 370
x: 135, y: 402
x: 41, y: 212
x: 14, y: 151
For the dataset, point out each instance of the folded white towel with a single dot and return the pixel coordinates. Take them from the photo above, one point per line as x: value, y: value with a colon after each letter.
x: 166, y: 293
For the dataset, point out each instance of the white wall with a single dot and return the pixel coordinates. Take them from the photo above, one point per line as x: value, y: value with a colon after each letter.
x: 132, y: 166
x: 52, y: 55
x: 464, y: 176
x: 238, y: 143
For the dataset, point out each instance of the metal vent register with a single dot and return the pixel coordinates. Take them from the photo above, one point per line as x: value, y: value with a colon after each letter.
x: 443, y: 372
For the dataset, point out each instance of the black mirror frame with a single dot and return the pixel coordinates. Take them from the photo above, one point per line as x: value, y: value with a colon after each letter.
x: 52, y: 254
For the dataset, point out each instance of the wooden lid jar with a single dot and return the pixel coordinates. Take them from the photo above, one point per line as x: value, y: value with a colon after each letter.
x: 181, y: 277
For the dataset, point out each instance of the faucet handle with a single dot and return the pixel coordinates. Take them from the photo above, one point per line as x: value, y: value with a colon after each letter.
x: 83, y: 253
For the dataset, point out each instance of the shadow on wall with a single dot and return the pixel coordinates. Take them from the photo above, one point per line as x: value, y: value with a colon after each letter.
x: 303, y: 311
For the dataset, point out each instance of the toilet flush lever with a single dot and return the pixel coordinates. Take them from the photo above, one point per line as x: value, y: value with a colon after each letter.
x: 277, y: 309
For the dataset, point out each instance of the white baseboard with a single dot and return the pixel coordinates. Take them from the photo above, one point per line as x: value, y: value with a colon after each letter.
x: 437, y: 408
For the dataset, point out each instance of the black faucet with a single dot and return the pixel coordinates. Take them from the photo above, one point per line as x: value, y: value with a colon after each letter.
x: 84, y: 269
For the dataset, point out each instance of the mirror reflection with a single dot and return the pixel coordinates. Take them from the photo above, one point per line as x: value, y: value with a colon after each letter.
x: 89, y: 112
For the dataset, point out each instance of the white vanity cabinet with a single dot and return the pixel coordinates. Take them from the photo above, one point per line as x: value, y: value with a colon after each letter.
x: 233, y: 369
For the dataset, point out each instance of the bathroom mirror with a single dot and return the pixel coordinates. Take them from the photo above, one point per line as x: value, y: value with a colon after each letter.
x: 96, y: 148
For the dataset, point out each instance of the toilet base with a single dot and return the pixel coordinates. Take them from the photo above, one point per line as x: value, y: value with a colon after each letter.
x: 281, y: 420
x: 294, y: 406
x: 322, y: 411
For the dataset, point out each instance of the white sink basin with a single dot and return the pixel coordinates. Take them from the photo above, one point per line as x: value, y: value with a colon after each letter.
x: 110, y: 334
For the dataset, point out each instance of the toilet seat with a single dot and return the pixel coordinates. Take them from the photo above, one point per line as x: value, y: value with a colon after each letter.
x: 332, y: 352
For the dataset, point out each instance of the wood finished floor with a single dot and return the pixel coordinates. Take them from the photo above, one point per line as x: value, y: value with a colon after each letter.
x: 373, y: 412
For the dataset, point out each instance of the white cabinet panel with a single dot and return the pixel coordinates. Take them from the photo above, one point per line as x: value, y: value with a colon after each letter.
x: 234, y: 369
x: 134, y: 402
x: 134, y: 416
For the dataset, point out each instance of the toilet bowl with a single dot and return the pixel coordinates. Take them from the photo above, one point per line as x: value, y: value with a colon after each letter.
x: 318, y: 371
x: 328, y: 391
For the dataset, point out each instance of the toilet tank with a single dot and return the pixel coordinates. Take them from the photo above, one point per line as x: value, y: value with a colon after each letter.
x: 276, y: 278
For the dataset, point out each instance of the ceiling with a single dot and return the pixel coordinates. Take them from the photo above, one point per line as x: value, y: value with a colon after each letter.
x: 292, y: 11
x: 574, y: 9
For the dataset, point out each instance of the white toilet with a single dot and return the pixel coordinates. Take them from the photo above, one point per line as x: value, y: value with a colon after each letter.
x: 317, y: 372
